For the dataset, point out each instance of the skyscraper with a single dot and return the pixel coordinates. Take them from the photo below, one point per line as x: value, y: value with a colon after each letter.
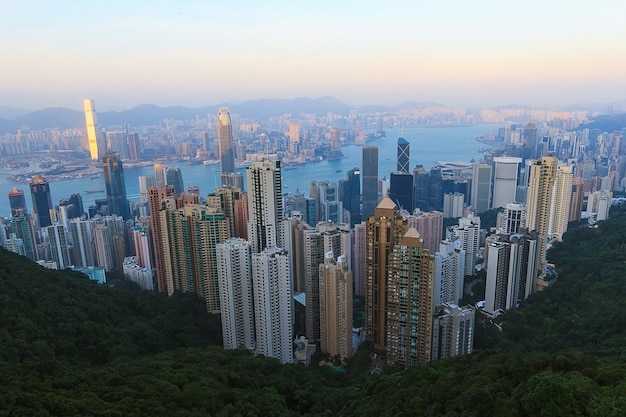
x: 481, y: 188
x: 539, y: 203
x: 42, y: 201
x: 401, y: 190
x: 156, y: 198
x: 17, y: 201
x: 384, y: 230
x: 335, y: 306
x: 561, y: 200
x: 404, y: 151
x: 410, y: 303
x: 505, y: 180
x: 175, y: 177
x: 160, y: 175
x: 57, y: 239
x: 145, y: 182
x: 225, y: 142
x: 468, y: 235
x: 117, y: 203
x: 350, y: 191
x: 92, y: 129
x: 370, y: 180
x: 273, y: 304
x: 265, y: 204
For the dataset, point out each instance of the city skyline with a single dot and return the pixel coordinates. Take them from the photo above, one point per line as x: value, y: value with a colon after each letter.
x: 196, y: 54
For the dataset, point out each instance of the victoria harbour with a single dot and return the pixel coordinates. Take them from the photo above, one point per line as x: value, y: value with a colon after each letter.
x: 427, y: 146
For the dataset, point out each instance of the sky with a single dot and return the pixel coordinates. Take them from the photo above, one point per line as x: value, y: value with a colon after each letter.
x: 198, y: 53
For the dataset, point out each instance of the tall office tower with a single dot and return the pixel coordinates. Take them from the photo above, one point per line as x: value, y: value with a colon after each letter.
x: 539, y: 201
x: 335, y: 306
x: 92, y: 129
x: 117, y: 203
x: 511, y: 271
x: 370, y: 181
x: 145, y: 182
x: 80, y: 232
x: 57, y: 239
x: 273, y: 303
x: 192, y: 233
x: 449, y: 273
x: 224, y: 198
x: 233, y: 179
x: 103, y: 245
x: 421, y: 188
x: 435, y: 189
x: 359, y: 258
x: 505, y: 180
x: 225, y: 141
x: 512, y: 218
x: 350, y: 192
x: 331, y: 207
x: 22, y: 227
x: 17, y: 201
x: 294, y: 138
x: 133, y: 146
x: 430, y: 227
x: 313, y: 257
x: 118, y: 143
x: 529, y: 141
x: 401, y: 190
x: 453, y: 331
x: 234, y: 271
x: 160, y: 175
x: 404, y: 152
x: 156, y: 197
x: 481, y: 188
x: 561, y: 200
x: 410, y: 303
x: 241, y: 217
x: 576, y: 205
x: 453, y: 205
x: 468, y: 233
x: 175, y: 177
x: 74, y: 204
x: 384, y: 230
x: 265, y: 204
x: 314, y: 196
x: 141, y: 240
x: 42, y: 200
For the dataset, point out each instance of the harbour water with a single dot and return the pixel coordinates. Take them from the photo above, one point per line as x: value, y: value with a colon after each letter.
x: 427, y: 146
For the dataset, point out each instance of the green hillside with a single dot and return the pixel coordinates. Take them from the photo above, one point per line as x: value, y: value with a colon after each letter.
x: 73, y: 347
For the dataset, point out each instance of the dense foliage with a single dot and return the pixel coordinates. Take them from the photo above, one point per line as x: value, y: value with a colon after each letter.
x: 72, y: 347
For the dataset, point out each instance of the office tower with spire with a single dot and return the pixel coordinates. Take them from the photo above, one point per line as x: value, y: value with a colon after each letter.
x: 234, y: 270
x: 273, y: 304
x: 539, y: 203
x: 410, y: 303
x: 42, y: 200
x: 265, y: 204
x: 481, y: 188
x: 384, y: 230
x: 17, y: 202
x: 370, y: 180
x: 117, y: 203
x: 505, y: 180
x: 335, y: 306
x: 227, y: 150
x: 92, y: 129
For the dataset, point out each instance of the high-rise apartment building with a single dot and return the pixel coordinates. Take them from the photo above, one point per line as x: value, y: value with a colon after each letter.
x: 561, y: 201
x: 512, y: 218
x: 92, y: 129
x: 370, y: 180
x: 22, y: 227
x: 42, y: 200
x: 335, y: 306
x: 481, y: 188
x: 539, y: 203
x: 505, y: 180
x: 430, y: 227
x: 81, y: 236
x: 265, y: 204
x: 578, y: 194
x: 273, y: 304
x: 449, y: 273
x: 156, y: 199
x: 59, y: 247
x: 234, y: 267
x: 384, y: 230
x: 467, y: 234
x: 145, y: 182
x: 410, y: 303
x: 453, y: 331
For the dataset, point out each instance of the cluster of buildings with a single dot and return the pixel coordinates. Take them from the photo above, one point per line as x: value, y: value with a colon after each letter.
x: 284, y: 271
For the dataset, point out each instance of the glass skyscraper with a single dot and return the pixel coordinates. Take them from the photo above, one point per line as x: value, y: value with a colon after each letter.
x: 117, y: 203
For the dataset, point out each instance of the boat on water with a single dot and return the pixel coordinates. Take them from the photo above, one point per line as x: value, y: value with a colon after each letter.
x: 337, y: 170
x: 94, y: 191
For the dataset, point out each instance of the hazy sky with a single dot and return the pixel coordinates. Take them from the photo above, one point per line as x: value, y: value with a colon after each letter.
x: 195, y: 53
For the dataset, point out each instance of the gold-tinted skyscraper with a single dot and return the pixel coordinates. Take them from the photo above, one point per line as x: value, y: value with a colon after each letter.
x: 92, y: 128
x: 225, y: 141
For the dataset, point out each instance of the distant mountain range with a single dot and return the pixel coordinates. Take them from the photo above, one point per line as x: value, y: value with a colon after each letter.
x: 12, y: 119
